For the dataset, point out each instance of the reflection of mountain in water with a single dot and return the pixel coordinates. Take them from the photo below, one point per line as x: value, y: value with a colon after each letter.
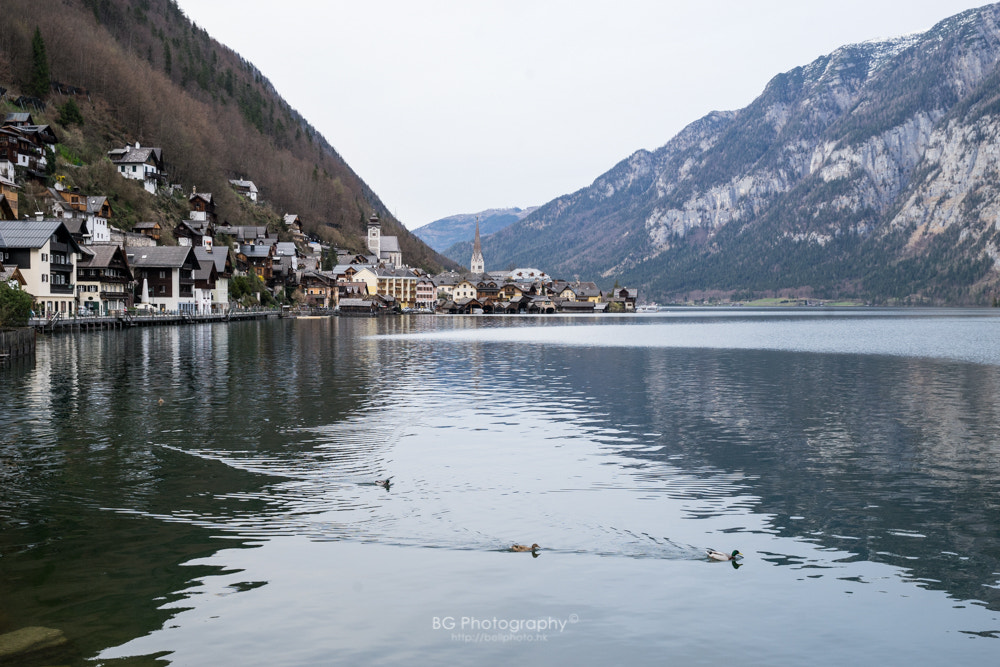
x: 892, y: 459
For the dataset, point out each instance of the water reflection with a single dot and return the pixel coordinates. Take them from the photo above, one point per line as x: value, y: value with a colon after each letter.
x: 845, y: 469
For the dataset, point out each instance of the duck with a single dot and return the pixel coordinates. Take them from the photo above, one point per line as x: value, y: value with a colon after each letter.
x: 719, y: 555
x: 520, y: 548
x: 384, y: 483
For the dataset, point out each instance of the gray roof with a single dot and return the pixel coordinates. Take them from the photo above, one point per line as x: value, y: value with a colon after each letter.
x: 17, y: 117
x: 160, y: 257
x: 285, y: 248
x: 76, y: 226
x: 217, y: 256
x: 357, y: 302
x: 98, y: 256
x: 133, y: 155
x: 256, y: 250
x: 395, y: 273
x: 31, y: 233
x: 389, y: 244
x: 249, y: 185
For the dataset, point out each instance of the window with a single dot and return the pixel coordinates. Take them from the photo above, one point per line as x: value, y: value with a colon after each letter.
x: 45, y: 257
x: 163, y: 274
x: 45, y: 277
x: 163, y: 289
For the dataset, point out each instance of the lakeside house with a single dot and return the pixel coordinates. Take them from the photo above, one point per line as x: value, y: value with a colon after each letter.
x: 45, y: 253
x: 104, y: 280
x: 168, y: 274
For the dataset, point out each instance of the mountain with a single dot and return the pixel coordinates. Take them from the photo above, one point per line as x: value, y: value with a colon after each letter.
x: 870, y: 173
x: 446, y: 232
x: 140, y: 71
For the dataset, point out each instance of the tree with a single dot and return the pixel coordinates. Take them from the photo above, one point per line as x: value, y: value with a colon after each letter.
x: 69, y: 113
x: 40, y: 81
x: 15, y: 306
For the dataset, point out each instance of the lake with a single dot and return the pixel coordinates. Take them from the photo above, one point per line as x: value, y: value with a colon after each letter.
x: 205, y: 495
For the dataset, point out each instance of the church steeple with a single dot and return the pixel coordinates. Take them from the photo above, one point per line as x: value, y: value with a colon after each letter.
x: 375, y: 236
x: 477, y: 265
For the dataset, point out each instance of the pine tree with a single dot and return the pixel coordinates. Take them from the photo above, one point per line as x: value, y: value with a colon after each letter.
x: 40, y: 80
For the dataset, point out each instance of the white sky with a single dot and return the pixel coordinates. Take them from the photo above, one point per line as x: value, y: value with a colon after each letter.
x: 456, y: 106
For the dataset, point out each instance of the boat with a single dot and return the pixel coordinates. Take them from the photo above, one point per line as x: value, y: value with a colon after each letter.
x: 648, y: 308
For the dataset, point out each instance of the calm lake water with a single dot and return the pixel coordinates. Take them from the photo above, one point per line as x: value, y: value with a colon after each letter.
x: 853, y: 457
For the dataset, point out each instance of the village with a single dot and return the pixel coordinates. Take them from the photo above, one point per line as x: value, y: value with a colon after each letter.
x: 75, y: 263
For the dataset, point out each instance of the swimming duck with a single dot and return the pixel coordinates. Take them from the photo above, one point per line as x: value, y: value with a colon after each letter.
x: 384, y: 483
x: 719, y: 555
x: 520, y: 547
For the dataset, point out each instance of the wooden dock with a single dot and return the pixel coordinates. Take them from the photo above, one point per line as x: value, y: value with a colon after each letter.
x: 61, y: 323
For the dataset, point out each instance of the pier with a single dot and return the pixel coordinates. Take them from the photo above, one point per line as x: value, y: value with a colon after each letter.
x: 124, y: 320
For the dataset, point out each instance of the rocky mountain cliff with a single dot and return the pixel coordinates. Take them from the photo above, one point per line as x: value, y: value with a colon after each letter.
x: 870, y: 173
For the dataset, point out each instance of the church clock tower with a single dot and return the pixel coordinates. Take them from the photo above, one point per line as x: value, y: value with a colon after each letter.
x: 375, y: 236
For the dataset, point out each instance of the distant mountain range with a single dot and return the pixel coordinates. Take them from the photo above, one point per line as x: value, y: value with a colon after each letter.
x: 872, y: 173
x: 446, y: 232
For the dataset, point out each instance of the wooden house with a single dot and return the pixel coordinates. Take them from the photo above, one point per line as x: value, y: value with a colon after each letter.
x: 103, y: 280
x: 202, y: 207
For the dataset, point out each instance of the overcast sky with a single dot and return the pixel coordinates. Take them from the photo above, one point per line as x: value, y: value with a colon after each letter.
x: 447, y: 107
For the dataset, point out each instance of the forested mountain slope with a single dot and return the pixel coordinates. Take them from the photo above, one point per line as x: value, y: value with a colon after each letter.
x: 140, y: 71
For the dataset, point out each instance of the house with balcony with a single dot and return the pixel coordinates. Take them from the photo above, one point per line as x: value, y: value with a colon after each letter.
x: 103, y: 280
x: 148, y: 229
x: 579, y: 291
x: 427, y: 293
x: 203, y: 208
x: 245, y: 188
x: 214, y: 281
x: 140, y: 164
x: 195, y: 233
x: 26, y: 144
x: 320, y: 289
x: 86, y: 216
x: 46, y: 254
x: 8, y: 189
x: 168, y: 274
x: 259, y: 258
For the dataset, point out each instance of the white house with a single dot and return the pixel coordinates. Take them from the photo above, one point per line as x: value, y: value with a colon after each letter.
x: 246, y: 188
x: 46, y: 255
x: 141, y: 164
x: 218, y: 294
x: 168, y: 272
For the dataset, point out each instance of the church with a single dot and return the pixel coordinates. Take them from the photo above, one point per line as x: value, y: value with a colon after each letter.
x: 384, y: 248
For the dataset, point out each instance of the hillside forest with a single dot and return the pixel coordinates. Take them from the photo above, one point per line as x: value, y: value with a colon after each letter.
x: 121, y: 72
